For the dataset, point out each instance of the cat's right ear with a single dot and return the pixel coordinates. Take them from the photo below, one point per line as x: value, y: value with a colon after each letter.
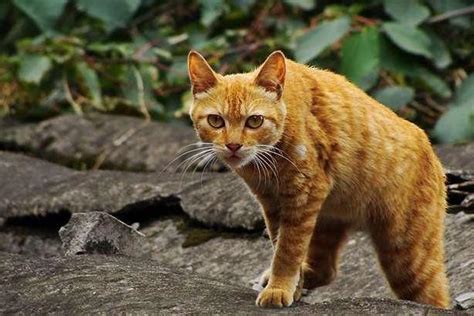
x: 200, y: 73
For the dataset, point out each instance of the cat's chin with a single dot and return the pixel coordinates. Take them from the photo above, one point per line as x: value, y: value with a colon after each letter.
x: 237, y: 162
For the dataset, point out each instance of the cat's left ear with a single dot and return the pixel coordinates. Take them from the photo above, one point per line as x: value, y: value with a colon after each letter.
x: 271, y: 76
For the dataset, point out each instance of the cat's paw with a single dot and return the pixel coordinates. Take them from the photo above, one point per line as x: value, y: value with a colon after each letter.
x: 274, y: 297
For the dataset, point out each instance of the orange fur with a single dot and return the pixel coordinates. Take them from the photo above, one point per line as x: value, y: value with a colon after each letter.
x: 339, y: 160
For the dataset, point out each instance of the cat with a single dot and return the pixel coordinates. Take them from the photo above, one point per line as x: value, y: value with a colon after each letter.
x: 324, y: 158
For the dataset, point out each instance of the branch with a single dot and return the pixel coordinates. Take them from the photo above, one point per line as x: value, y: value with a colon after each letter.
x: 451, y: 14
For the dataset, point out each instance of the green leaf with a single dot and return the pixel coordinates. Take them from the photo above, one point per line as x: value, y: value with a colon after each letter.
x: 313, y: 42
x: 432, y: 82
x: 409, y: 12
x: 394, y: 59
x: 465, y: 93
x: 211, y: 10
x: 440, y: 52
x: 409, y: 38
x: 303, y: 4
x: 394, y: 97
x: 456, y: 125
x: 33, y: 68
x: 43, y: 13
x: 361, y: 57
x: 113, y: 13
x: 91, y: 81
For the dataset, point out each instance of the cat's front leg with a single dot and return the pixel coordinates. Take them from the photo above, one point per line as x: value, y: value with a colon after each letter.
x: 297, y: 221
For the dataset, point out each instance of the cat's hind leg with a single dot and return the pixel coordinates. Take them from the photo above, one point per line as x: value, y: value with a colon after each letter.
x: 410, y: 251
x: 321, y: 263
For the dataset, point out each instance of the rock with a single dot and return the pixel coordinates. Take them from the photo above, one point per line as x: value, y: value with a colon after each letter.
x: 233, y: 257
x: 221, y: 203
x: 459, y: 156
x: 460, y: 191
x: 240, y: 258
x: 30, y: 186
x: 98, y: 284
x: 465, y: 300
x: 100, y: 141
x: 99, y: 233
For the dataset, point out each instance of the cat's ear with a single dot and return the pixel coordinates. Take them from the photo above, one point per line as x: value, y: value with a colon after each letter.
x: 200, y: 73
x: 271, y: 76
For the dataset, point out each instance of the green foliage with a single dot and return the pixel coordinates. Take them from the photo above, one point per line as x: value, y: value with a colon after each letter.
x: 408, y: 12
x: 409, y: 38
x: 395, y: 97
x: 129, y: 56
x: 33, y: 68
x: 44, y: 13
x: 360, y: 57
x: 112, y: 13
x: 457, y: 125
x: 313, y: 42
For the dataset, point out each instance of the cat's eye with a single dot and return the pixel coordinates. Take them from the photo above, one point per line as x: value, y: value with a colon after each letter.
x: 254, y: 121
x: 215, y: 121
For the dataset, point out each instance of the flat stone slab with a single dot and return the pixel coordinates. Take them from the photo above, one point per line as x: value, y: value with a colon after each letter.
x: 30, y: 186
x: 99, y: 141
x: 98, y: 284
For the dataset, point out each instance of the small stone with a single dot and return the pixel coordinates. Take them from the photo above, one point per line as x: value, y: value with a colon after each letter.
x: 99, y: 233
x: 465, y: 300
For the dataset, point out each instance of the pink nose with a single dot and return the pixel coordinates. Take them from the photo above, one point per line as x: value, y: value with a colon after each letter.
x: 233, y: 147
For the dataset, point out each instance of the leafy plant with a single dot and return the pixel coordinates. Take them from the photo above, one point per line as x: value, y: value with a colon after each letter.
x: 129, y: 56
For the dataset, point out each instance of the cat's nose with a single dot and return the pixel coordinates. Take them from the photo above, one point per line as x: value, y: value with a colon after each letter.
x: 233, y: 147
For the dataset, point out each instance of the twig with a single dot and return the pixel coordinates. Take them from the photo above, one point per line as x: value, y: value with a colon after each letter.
x: 141, y: 93
x: 67, y: 91
x: 451, y: 14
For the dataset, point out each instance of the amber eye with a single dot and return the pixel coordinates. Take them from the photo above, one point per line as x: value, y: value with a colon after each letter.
x: 254, y: 121
x: 215, y: 121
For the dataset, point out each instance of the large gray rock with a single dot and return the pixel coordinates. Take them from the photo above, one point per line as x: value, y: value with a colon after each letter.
x: 99, y: 233
x: 30, y: 186
x: 99, y: 141
x: 98, y: 284
x: 457, y: 156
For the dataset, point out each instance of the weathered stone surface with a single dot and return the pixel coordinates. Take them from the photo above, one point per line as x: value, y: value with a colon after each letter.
x: 457, y: 156
x: 460, y: 191
x: 221, y: 202
x: 105, y: 141
x: 465, y: 300
x: 99, y: 233
x: 241, y: 259
x: 93, y: 284
x: 30, y: 186
x: 237, y: 257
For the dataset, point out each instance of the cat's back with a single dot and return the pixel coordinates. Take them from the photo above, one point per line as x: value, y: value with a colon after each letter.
x: 370, y: 148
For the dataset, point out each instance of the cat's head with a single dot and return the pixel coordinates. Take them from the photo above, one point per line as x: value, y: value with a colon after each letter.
x: 241, y: 115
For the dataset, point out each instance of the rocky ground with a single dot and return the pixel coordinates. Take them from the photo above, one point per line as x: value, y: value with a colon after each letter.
x: 194, y: 243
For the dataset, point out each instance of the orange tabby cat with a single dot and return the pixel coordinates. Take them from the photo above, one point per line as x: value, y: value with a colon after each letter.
x: 323, y: 158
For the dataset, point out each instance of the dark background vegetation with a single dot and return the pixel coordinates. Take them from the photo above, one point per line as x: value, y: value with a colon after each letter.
x: 129, y: 56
